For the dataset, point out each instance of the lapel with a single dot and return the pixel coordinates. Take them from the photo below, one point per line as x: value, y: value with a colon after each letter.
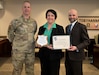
x: 74, y: 27
x: 53, y: 33
x: 54, y: 30
x: 41, y: 31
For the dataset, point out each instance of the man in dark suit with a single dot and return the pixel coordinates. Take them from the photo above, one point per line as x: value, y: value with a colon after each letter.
x: 79, y: 40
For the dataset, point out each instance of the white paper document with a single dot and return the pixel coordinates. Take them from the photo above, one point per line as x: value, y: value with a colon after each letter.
x: 42, y: 40
x: 61, y: 42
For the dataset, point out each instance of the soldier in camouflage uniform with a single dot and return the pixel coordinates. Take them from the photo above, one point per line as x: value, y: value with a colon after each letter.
x: 21, y: 34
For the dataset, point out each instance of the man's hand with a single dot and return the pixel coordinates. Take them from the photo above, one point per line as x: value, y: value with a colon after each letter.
x: 72, y: 48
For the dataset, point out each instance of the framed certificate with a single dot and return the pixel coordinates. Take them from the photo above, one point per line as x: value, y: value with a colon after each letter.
x: 61, y: 42
x: 42, y: 40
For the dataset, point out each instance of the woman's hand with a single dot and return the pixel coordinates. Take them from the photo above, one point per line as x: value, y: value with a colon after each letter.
x: 49, y: 46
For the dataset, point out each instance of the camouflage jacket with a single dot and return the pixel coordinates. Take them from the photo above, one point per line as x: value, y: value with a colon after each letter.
x: 21, y: 32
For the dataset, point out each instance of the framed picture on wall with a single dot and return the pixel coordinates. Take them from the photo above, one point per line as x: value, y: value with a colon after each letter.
x: 91, y: 22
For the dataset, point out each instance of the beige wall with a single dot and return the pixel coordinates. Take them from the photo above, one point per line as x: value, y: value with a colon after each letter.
x: 12, y: 9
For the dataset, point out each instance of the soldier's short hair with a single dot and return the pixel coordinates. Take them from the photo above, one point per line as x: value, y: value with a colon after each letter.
x: 27, y: 1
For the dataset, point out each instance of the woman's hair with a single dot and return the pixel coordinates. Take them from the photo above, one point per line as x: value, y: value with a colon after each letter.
x: 52, y: 11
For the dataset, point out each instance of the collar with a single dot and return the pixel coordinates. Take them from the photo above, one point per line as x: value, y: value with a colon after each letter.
x: 74, y: 23
x: 24, y: 19
x: 53, y: 25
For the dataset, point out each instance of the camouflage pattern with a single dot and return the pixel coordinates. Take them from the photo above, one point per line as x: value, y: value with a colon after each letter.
x: 21, y: 33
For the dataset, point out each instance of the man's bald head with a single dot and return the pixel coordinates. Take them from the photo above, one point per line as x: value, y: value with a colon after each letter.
x: 72, y: 15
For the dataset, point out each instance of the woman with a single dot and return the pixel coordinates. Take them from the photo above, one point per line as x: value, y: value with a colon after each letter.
x: 50, y: 58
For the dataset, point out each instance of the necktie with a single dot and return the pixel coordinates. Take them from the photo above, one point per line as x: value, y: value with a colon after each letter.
x: 69, y: 30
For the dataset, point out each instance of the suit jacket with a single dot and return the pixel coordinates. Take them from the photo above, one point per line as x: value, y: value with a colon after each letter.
x: 47, y: 53
x: 80, y: 39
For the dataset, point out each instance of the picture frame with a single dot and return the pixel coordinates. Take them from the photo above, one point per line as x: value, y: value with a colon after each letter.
x: 91, y: 22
